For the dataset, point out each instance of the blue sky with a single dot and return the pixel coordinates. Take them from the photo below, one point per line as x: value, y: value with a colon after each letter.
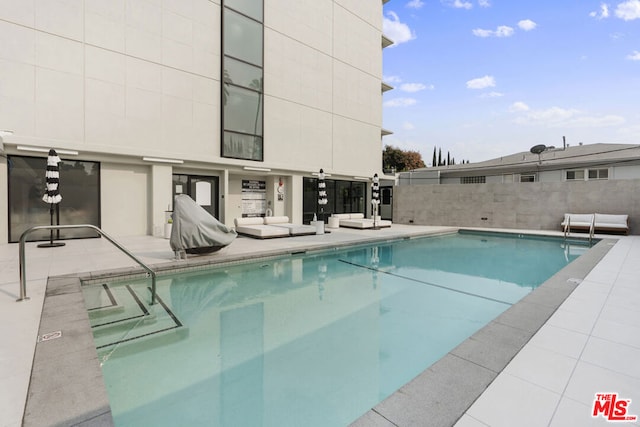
x: 487, y: 78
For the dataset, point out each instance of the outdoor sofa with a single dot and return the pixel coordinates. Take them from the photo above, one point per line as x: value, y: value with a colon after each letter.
x: 601, y: 223
x: 357, y: 220
x: 270, y: 227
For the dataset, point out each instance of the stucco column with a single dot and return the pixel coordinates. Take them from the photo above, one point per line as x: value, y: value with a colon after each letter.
x: 160, y: 196
x: 4, y: 205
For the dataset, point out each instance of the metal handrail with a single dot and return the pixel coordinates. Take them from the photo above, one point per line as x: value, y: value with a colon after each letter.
x: 23, y: 238
x: 567, y: 229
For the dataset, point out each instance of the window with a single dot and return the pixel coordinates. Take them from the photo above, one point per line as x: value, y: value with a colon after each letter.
x: 473, y: 180
x: 598, y: 173
x: 79, y: 187
x: 242, y: 81
x: 577, y: 175
x: 528, y: 177
x: 342, y: 197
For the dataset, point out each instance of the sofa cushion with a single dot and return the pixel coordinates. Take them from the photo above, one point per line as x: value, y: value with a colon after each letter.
x: 276, y: 219
x: 356, y: 216
x: 249, y: 221
x: 578, y: 220
x: 342, y: 216
x: 608, y: 220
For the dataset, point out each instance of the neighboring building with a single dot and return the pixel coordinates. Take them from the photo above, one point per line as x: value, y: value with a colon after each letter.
x: 238, y: 104
x: 571, y: 163
x: 524, y: 191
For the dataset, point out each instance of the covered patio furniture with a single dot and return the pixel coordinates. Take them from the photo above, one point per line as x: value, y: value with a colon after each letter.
x: 195, y: 231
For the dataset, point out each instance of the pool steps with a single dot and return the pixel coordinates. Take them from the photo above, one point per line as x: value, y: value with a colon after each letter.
x: 120, y: 314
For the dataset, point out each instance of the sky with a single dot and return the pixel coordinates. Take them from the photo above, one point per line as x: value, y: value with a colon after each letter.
x: 482, y: 79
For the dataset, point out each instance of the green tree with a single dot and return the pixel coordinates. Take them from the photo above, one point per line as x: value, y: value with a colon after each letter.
x: 399, y: 160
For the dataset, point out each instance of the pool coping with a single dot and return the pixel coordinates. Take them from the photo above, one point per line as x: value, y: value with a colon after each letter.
x: 68, y: 364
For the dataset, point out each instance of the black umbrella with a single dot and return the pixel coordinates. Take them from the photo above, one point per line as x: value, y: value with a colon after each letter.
x: 322, y: 193
x: 375, y: 197
x: 52, y: 193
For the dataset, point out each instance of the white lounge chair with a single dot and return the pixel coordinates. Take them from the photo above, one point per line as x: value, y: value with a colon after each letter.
x: 605, y: 223
x: 357, y: 220
x: 294, y: 229
x: 255, y: 227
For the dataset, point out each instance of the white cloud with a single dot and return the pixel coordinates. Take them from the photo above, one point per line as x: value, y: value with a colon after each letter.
x: 635, y: 56
x: 603, y: 13
x: 518, y: 107
x: 458, y: 4
x: 492, y: 95
x: 568, y: 117
x: 481, y: 83
x: 391, y: 79
x: 628, y: 10
x: 527, y: 25
x: 479, y: 32
x: 415, y: 87
x: 396, y: 30
x: 415, y: 4
x: 400, y: 102
x: 501, y: 31
x: 408, y: 126
x: 484, y: 3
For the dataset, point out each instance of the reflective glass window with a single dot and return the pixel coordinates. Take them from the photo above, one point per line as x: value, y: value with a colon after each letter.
x: 242, y: 38
x: 243, y: 111
x: 79, y: 187
x: 242, y: 74
x: 250, y: 8
x: 241, y: 146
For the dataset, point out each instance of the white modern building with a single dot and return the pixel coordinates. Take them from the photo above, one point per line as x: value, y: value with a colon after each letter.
x: 236, y: 103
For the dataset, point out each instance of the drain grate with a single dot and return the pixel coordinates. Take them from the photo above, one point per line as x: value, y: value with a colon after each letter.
x: 50, y: 336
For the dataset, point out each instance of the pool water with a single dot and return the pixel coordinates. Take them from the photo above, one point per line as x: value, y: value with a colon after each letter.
x: 313, y: 340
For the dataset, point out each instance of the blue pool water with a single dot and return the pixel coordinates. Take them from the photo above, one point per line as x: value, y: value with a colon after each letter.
x: 313, y: 340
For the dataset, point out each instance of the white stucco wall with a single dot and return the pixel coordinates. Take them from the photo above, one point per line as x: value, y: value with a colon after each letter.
x: 120, y: 80
x: 123, y: 199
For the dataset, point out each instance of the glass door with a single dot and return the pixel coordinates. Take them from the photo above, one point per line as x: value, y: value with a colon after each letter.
x: 202, y: 189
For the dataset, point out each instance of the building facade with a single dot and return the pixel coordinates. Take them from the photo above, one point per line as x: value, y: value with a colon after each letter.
x: 527, y: 191
x: 570, y: 163
x: 237, y: 103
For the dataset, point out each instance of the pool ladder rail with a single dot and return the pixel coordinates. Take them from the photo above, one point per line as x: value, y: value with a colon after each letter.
x: 23, y: 272
x: 567, y: 230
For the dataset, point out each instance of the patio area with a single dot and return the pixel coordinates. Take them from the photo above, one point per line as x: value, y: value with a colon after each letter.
x: 589, y: 345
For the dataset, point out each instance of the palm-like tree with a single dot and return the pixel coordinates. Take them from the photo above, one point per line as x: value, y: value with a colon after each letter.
x: 257, y: 85
x: 226, y: 81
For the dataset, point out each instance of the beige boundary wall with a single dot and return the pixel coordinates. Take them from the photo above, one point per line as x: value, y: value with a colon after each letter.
x: 535, y: 205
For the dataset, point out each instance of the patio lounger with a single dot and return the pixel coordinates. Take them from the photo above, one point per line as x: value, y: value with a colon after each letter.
x: 357, y: 220
x: 611, y: 223
x: 601, y: 223
x: 255, y: 227
x: 577, y: 222
x: 294, y: 229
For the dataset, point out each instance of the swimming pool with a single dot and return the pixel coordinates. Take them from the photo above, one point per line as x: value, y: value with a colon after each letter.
x: 308, y: 339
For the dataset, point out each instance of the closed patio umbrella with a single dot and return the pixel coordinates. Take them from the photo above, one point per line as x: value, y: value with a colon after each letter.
x: 52, y: 193
x: 375, y: 197
x: 322, y: 193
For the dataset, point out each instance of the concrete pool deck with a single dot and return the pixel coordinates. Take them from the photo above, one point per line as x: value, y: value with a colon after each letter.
x: 589, y: 345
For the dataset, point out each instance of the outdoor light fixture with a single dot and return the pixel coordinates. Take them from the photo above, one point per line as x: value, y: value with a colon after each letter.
x: 316, y: 174
x: 159, y: 160
x: 253, y: 168
x: 46, y: 150
x: 361, y: 178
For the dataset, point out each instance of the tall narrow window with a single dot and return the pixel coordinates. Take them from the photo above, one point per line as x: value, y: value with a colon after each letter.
x: 242, y: 79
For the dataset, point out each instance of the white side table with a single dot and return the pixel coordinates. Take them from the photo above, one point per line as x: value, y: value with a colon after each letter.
x: 319, y: 225
x: 334, y: 222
